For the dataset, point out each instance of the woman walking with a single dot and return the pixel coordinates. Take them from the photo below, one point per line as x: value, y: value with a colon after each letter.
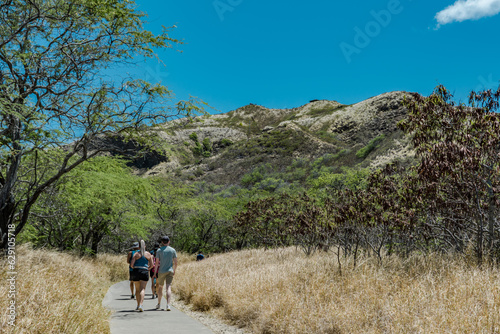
x: 141, y: 263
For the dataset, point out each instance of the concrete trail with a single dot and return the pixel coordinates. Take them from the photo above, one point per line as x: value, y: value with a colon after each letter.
x: 126, y: 320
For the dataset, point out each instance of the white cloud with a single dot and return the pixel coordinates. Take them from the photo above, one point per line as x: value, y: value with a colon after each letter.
x: 468, y: 10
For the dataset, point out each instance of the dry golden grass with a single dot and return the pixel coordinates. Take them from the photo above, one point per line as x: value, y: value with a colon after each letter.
x: 285, y: 292
x: 183, y: 258
x: 60, y: 293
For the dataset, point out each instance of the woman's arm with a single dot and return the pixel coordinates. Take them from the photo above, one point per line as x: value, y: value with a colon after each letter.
x: 132, y: 261
x: 150, y: 261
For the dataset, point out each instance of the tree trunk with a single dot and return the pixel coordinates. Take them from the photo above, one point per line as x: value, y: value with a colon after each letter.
x: 479, y: 245
x: 6, y: 218
x: 7, y: 200
x: 96, y: 239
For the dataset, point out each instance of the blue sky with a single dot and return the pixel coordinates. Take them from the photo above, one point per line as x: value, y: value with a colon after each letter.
x: 281, y: 54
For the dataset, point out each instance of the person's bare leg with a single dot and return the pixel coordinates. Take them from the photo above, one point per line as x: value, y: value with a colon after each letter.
x: 132, y: 288
x: 159, y: 289
x: 137, y: 292
x: 142, y: 292
x: 153, y: 286
x: 169, y: 294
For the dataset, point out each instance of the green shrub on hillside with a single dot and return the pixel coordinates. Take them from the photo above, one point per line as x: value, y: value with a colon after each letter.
x: 226, y: 142
x: 372, y: 145
x: 270, y: 184
x: 328, y: 110
x: 251, y: 178
x: 207, y: 147
x: 194, y: 137
x: 257, y: 175
x: 296, y: 174
x: 204, y: 149
x: 350, y: 178
x: 329, y: 137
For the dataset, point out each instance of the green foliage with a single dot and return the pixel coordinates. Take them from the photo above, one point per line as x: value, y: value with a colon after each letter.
x: 327, y: 183
x: 194, y: 137
x: 53, y: 92
x: 324, y: 160
x: 226, y: 142
x: 100, y: 199
x: 252, y: 178
x: 198, y: 172
x: 296, y: 174
x: 372, y: 145
x: 201, y: 149
x: 207, y: 147
x: 327, y: 137
x: 279, y: 142
x: 328, y: 110
x: 197, y: 217
x: 270, y: 184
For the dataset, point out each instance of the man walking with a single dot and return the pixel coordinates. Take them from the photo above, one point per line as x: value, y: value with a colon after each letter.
x: 166, y: 256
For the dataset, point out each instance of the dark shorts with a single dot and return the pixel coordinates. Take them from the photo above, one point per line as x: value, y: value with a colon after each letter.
x: 151, y: 273
x: 130, y: 278
x: 140, y: 275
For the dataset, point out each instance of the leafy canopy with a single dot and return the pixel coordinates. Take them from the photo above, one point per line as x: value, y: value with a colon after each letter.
x: 54, y: 90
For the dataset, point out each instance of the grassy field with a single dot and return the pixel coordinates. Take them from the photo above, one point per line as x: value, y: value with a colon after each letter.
x: 59, y: 293
x: 285, y: 292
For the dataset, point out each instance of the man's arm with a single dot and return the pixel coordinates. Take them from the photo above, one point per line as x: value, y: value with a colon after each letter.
x: 155, y: 270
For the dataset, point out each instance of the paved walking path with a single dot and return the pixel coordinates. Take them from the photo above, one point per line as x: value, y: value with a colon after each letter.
x: 126, y: 320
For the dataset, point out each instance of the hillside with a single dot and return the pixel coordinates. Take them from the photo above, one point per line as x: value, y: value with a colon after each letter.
x: 222, y: 148
x: 210, y: 167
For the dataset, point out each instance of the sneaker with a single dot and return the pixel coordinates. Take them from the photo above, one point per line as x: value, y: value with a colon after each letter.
x: 168, y: 308
x: 157, y: 306
x: 137, y: 309
x: 140, y: 309
x: 132, y: 297
x: 156, y: 295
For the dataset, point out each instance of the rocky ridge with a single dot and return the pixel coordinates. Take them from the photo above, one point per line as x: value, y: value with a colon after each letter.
x: 208, y: 147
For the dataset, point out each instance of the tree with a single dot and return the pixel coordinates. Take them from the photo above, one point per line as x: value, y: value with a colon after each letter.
x: 285, y: 220
x: 101, y: 199
x: 194, y: 217
x: 460, y: 165
x: 54, y: 91
x: 375, y: 216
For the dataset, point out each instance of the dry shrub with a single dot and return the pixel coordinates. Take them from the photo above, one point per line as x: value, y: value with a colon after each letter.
x: 287, y: 292
x: 60, y: 293
x: 184, y: 258
x: 207, y: 300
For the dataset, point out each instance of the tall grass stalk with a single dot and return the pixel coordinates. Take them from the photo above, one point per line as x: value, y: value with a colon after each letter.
x: 59, y: 293
x: 284, y: 291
